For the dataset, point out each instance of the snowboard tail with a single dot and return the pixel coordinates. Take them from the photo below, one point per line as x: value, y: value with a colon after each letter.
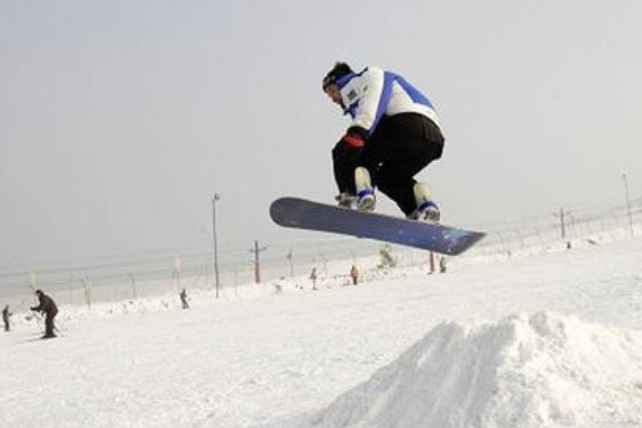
x: 303, y: 214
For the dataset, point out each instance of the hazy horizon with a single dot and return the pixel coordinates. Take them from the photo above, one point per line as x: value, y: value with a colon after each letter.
x: 119, y: 120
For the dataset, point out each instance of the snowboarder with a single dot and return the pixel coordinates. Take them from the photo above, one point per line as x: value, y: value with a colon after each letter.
x: 394, y: 134
x: 48, y: 307
x: 5, y: 318
x: 184, y: 300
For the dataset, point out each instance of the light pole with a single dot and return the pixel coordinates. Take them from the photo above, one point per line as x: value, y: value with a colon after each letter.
x: 628, y: 202
x: 216, y: 198
x: 563, y: 215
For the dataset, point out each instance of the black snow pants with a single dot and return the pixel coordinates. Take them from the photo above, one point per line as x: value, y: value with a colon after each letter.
x: 49, y: 324
x: 401, y: 146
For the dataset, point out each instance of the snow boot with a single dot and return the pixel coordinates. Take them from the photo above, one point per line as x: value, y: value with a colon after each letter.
x: 427, y: 210
x: 365, y: 192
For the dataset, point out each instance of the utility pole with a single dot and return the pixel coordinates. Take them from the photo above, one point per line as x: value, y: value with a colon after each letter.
x: 257, y: 265
x: 216, y: 277
x: 71, y: 288
x: 562, y: 215
x: 290, y: 262
x: 177, y: 272
x: 86, y: 285
x: 133, y: 280
x: 431, y: 259
x: 628, y: 202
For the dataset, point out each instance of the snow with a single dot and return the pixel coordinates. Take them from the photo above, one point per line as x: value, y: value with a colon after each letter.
x: 523, y: 371
x: 551, y: 339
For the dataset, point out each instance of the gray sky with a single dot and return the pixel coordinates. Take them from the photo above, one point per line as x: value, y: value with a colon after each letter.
x: 120, y: 119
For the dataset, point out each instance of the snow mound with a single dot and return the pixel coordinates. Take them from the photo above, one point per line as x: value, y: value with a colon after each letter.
x: 529, y: 370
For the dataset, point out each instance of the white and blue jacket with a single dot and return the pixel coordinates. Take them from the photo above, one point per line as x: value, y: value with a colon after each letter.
x: 373, y: 93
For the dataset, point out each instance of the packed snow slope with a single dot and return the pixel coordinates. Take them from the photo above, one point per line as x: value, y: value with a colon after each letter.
x: 524, y: 371
x: 551, y: 340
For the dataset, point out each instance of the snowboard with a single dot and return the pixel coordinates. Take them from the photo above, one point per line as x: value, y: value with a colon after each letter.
x: 303, y: 214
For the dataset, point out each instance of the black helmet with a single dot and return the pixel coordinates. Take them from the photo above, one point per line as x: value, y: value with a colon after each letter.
x: 339, y: 70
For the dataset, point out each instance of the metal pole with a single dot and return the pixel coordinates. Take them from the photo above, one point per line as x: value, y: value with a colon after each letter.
x: 563, y: 214
x: 257, y: 265
x: 216, y: 198
x: 131, y: 276
x: 291, y: 263
x: 257, y: 262
x: 628, y: 202
x: 431, y: 259
x: 563, y: 222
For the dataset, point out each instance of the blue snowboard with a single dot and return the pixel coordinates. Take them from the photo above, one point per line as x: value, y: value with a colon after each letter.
x: 303, y: 214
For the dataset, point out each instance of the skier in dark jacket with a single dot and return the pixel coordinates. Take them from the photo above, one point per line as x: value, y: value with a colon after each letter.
x: 49, y: 308
x: 394, y: 134
x: 184, y: 299
x: 6, y: 314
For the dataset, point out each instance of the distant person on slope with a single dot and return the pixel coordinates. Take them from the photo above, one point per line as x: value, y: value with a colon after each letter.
x: 313, y: 278
x: 6, y: 315
x: 184, y: 299
x: 354, y: 274
x: 394, y: 134
x: 49, y: 308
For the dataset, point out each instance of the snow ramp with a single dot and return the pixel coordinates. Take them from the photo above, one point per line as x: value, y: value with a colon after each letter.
x: 528, y: 370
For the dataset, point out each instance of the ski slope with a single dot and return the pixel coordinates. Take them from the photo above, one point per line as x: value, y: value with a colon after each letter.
x: 549, y: 340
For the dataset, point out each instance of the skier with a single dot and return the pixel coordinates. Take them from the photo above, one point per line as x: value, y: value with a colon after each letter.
x: 6, y: 315
x: 184, y: 299
x: 394, y: 134
x: 48, y: 307
x: 313, y: 278
x: 354, y: 274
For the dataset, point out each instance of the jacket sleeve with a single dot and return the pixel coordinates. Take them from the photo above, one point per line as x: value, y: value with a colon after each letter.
x: 373, y: 101
x: 39, y: 307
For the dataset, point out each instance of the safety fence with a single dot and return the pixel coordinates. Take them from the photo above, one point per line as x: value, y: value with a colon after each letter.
x: 294, y: 261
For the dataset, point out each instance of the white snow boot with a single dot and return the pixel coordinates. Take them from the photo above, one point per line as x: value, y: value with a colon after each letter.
x: 365, y: 192
x: 427, y: 210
